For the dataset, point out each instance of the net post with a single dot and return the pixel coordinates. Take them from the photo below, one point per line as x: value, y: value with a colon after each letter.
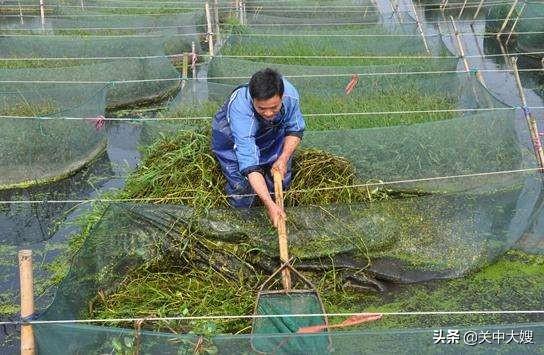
x: 420, y: 29
x: 531, y: 121
x: 515, y: 24
x: 21, y: 13
x: 443, y: 6
x: 244, y: 17
x: 462, y: 9
x: 478, y: 9
x: 42, y: 14
x: 185, y: 67
x: 505, y: 22
x: 209, y: 34
x: 193, y: 68
x: 460, y: 45
x: 27, y: 301
x: 216, y: 20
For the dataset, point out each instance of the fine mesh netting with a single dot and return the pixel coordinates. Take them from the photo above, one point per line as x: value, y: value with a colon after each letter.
x: 414, y: 190
x: 532, y: 27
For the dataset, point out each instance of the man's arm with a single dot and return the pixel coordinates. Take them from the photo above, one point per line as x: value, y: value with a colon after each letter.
x: 289, y: 146
x: 256, y: 180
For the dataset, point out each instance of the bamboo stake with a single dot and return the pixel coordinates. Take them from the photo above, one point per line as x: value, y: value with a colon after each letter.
x: 209, y: 35
x: 478, y: 9
x: 193, y: 69
x: 515, y: 24
x: 507, y: 18
x: 42, y: 14
x: 531, y: 121
x: 282, y: 231
x: 460, y: 45
x: 216, y: 20
x: 185, y: 67
x: 420, y: 28
x: 21, y: 13
x: 462, y: 9
x: 27, y: 301
x: 244, y: 16
x: 443, y: 6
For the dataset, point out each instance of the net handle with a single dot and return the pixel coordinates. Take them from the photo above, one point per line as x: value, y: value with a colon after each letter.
x: 282, y: 230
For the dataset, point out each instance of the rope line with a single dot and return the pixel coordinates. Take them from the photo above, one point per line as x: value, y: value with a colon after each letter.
x: 279, y: 35
x: 366, y: 185
x: 261, y: 316
x: 247, y: 77
x: 337, y: 114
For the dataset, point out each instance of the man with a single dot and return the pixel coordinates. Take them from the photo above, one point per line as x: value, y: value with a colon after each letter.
x: 256, y: 130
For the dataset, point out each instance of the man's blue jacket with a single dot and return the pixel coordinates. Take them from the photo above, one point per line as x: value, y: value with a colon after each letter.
x: 244, y: 142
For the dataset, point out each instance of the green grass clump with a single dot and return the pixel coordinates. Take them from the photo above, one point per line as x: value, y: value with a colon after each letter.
x: 182, y: 168
x: 24, y: 108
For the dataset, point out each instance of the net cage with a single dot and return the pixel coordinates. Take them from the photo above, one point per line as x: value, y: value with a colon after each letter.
x: 531, y: 36
x: 444, y: 184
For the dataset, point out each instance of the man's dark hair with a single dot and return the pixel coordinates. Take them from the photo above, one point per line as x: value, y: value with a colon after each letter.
x: 265, y: 84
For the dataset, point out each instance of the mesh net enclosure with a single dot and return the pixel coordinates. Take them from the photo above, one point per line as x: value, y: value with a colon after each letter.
x: 416, y: 192
x: 531, y: 28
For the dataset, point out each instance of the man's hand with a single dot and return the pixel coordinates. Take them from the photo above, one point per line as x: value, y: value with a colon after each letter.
x: 275, y: 212
x: 280, y: 165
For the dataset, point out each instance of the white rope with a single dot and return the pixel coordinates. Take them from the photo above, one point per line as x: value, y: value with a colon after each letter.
x: 207, y: 118
x: 261, y: 316
x: 366, y: 185
x: 247, y: 77
x: 77, y: 37
x: 179, y: 55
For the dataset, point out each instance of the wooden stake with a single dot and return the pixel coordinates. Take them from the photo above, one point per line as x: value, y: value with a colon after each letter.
x: 282, y: 231
x: 420, y: 28
x: 531, y: 121
x: 185, y: 67
x: 460, y: 45
x: 478, y: 9
x: 507, y: 18
x: 27, y: 301
x: 462, y: 9
x: 42, y: 14
x: 209, y: 35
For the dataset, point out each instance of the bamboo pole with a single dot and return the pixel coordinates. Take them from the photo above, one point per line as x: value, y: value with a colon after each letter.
x: 27, y: 301
x: 531, y: 121
x: 507, y: 18
x: 209, y: 34
x: 462, y: 9
x: 478, y: 9
x: 420, y: 28
x: 193, y: 68
x: 21, y: 13
x: 443, y: 6
x: 515, y: 24
x: 185, y: 67
x: 282, y: 231
x: 42, y: 14
x: 244, y: 16
x: 460, y: 45
x: 216, y: 20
